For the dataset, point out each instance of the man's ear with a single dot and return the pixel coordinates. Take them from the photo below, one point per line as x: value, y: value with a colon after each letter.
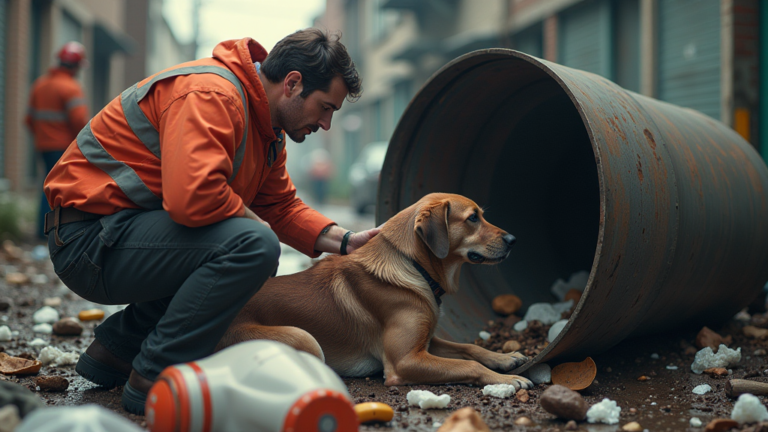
x: 292, y: 83
x: 432, y: 227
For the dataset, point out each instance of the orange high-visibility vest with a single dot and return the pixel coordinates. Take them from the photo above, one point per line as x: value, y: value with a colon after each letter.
x: 215, y: 153
x: 57, y: 110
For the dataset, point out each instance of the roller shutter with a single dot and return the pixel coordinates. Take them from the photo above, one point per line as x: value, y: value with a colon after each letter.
x: 584, y: 34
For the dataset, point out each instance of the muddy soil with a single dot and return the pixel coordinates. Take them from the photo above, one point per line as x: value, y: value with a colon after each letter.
x: 664, y: 402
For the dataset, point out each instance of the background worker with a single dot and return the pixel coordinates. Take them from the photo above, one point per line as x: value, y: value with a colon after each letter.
x: 188, y: 241
x: 57, y: 112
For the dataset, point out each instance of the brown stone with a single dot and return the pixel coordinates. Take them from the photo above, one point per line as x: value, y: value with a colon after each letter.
x: 572, y: 294
x: 511, y: 320
x: 708, y: 338
x: 464, y: 420
x: 571, y: 425
x: 523, y: 421
x: 754, y: 332
x: 52, y: 383
x: 11, y: 251
x: 643, y: 378
x: 564, y: 403
x: 506, y: 304
x: 716, y: 371
x: 721, y: 425
x: 632, y: 427
x: 17, y: 278
x: 68, y: 327
x: 511, y: 346
x: 522, y: 395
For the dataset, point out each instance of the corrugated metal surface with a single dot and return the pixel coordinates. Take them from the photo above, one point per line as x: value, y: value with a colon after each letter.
x: 3, y: 31
x: 626, y: 48
x: 689, y: 54
x: 585, y: 37
x: 530, y: 41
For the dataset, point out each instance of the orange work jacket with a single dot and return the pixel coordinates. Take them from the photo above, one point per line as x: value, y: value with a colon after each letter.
x: 216, y: 155
x: 57, y: 110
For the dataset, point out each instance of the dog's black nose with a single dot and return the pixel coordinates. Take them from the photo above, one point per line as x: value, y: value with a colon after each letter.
x: 509, y: 239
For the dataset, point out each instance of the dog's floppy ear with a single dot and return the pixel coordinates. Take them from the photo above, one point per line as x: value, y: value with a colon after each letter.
x: 432, y: 227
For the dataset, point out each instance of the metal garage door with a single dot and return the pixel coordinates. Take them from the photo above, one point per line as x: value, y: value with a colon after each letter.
x: 689, y: 54
x: 530, y: 41
x: 584, y: 34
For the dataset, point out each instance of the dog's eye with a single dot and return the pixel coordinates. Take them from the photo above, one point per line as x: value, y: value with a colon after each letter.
x: 473, y: 218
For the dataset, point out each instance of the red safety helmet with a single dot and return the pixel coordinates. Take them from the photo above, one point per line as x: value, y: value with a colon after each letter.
x: 72, y: 53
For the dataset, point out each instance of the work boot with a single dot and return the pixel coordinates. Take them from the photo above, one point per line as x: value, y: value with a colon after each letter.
x: 99, y: 366
x: 135, y: 393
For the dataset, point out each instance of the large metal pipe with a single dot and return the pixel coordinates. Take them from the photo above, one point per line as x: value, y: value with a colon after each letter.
x: 665, y: 207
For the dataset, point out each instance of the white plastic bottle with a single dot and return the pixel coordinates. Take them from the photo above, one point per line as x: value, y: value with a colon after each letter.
x: 258, y: 386
x: 86, y: 418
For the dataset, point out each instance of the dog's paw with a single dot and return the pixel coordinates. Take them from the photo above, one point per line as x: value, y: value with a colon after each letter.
x: 517, y: 381
x: 511, y: 361
x: 522, y: 382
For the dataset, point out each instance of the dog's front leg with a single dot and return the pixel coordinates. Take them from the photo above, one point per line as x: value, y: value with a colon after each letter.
x: 489, y: 359
x: 407, y: 360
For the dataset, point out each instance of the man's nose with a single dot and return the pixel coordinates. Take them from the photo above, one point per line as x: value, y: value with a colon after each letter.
x: 325, y: 122
x: 509, y: 239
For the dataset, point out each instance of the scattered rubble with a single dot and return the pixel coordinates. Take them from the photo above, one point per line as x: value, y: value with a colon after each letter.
x: 577, y: 281
x: 484, y: 335
x: 706, y: 358
x: 44, y: 328
x: 52, y: 383
x: 695, y: 422
x: 511, y: 346
x: 606, y: 412
x: 45, y: 314
x: 709, y: 338
x: 702, y: 389
x: 68, y: 327
x: 17, y: 365
x: 9, y: 418
x: 555, y: 330
x: 90, y: 315
x: 506, y: 304
x: 427, y: 400
x: 53, y: 302
x: 632, y: 427
x: 464, y: 420
x: 16, y: 278
x: 721, y: 425
x: 540, y: 373
x: 749, y: 409
x: 499, y: 390
x: 55, y: 357
x: 575, y: 376
x: 564, y: 403
x: 754, y: 332
x: 5, y: 334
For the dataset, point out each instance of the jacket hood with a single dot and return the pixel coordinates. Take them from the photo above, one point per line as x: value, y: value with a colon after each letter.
x: 239, y: 56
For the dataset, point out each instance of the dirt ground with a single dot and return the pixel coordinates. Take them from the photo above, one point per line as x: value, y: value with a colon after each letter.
x: 664, y: 402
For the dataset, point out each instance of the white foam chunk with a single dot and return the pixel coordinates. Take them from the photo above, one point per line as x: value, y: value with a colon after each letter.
x: 37, y: 342
x: 54, y: 356
x: 540, y: 374
x: 563, y: 306
x: 749, y: 409
x: 520, y: 325
x: 5, y: 334
x: 43, y: 328
x: 706, y: 358
x: 702, y: 389
x: 484, y: 335
x: 543, y: 312
x: 45, y: 314
x: 499, y: 390
x: 695, y: 422
x: 556, y: 329
x: 425, y: 399
x: 606, y: 412
x: 577, y: 281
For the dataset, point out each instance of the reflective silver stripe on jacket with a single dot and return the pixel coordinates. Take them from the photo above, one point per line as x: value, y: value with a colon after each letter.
x: 125, y: 177
x: 46, y: 115
x: 74, y: 102
x: 147, y: 133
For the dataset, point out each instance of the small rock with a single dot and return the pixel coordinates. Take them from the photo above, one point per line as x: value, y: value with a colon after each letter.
x: 464, y: 420
x: 571, y: 425
x: 721, y: 425
x: 5, y: 304
x: 540, y: 373
x: 45, y: 314
x: 754, y: 332
x: 759, y: 352
x: 11, y: 251
x: 633, y: 411
x: 523, y: 421
x: 702, y: 389
x: 520, y: 325
x: 716, y: 371
x: 572, y: 294
x: 5, y: 334
x: 643, y: 378
x: 522, y: 395
x: 555, y: 330
x: 68, y: 327
x: 52, y: 302
x: 695, y: 422
x: 52, y: 383
x: 632, y: 427
x: 506, y: 304
x: 564, y: 403
x: 17, y: 278
x: 708, y: 338
x: 9, y: 417
x: 39, y: 279
x: 655, y: 356
x: 511, y: 346
x: 484, y: 335
x: 44, y: 328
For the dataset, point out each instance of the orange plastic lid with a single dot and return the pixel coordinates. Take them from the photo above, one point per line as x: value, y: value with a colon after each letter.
x: 161, y: 409
x: 321, y: 411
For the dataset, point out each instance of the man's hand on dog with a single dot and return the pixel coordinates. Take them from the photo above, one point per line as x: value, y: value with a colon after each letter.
x: 331, y: 241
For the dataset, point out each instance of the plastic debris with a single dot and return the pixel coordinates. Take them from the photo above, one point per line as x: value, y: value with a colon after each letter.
x: 43, y: 328
x: 425, y: 399
x: 542, y: 312
x: 484, y: 335
x: 706, y: 358
x: 18, y: 366
x: 499, y: 390
x: 374, y: 411
x: 520, y: 325
x: 606, y: 412
x: 37, y: 342
x: 575, y: 376
x: 56, y: 357
x: 577, y: 281
x: 45, y: 314
x: 702, y: 389
x: 695, y: 422
x: 540, y: 374
x: 749, y: 409
x: 556, y: 329
x: 5, y: 334
x: 90, y: 315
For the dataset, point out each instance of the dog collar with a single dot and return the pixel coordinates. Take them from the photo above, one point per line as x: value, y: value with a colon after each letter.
x: 437, y: 290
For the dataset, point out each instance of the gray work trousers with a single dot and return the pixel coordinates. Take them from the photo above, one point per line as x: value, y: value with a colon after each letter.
x: 184, y: 286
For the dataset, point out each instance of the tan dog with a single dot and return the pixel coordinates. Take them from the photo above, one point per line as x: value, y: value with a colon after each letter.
x: 372, y: 310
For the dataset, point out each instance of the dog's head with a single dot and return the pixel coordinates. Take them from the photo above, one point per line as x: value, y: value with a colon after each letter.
x: 453, y: 226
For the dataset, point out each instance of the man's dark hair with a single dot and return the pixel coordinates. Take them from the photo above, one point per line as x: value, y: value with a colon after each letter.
x: 319, y: 57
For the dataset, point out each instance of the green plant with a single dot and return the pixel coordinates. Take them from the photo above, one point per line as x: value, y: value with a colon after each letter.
x: 10, y: 216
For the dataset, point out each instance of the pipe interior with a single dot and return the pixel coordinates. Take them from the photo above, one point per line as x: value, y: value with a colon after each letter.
x: 506, y: 135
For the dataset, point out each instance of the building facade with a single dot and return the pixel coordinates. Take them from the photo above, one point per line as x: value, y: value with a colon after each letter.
x: 125, y: 40
x: 701, y: 54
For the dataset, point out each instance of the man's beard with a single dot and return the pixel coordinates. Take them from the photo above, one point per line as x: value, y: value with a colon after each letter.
x: 290, y: 120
